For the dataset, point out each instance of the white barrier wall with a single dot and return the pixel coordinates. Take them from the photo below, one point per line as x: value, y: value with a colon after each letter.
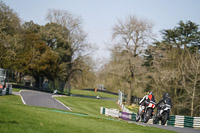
x: 110, y: 112
x: 196, y: 122
x: 175, y: 120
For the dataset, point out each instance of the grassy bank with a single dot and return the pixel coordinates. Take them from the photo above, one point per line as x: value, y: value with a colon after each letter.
x: 84, y: 92
x: 16, y: 89
x: 87, y: 105
x: 93, y: 93
x: 18, y: 118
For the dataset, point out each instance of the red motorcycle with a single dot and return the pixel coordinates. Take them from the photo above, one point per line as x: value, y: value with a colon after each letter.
x: 147, y: 112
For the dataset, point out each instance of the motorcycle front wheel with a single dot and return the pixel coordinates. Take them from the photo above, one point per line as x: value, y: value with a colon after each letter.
x: 137, y: 117
x: 147, y: 115
x: 164, y: 118
x: 155, y: 120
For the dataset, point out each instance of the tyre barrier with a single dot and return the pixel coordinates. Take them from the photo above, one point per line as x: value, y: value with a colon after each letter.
x: 175, y: 120
x: 184, y: 121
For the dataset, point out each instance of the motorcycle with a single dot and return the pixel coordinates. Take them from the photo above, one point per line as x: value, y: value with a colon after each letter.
x: 162, y: 114
x: 146, y: 113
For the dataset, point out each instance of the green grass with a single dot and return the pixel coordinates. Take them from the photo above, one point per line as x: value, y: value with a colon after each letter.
x: 18, y: 118
x: 93, y: 93
x: 83, y: 92
x: 16, y: 89
x: 87, y: 105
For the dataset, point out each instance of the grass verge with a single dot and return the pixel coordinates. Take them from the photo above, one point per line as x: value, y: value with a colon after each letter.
x: 82, y: 92
x: 18, y: 118
x: 93, y: 93
x: 16, y: 89
x: 87, y: 105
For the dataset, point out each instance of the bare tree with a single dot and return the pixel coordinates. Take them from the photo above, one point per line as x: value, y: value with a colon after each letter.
x: 164, y: 75
x: 131, y: 37
x: 80, y: 48
x: 191, y: 82
x: 77, y: 36
x: 176, y: 62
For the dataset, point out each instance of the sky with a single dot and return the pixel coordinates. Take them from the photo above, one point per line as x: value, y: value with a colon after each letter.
x: 99, y: 16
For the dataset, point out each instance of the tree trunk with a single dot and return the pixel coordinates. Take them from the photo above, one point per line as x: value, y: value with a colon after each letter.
x: 68, y: 86
x: 62, y: 86
x: 54, y: 86
x: 37, y: 82
x: 194, y: 89
x: 18, y: 77
x: 129, y: 95
x: 192, y: 106
x: 41, y: 83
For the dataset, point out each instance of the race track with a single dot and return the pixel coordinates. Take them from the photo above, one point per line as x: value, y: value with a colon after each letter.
x: 42, y: 99
x: 176, y: 129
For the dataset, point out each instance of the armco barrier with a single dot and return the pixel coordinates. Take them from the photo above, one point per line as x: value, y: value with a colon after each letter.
x: 175, y: 120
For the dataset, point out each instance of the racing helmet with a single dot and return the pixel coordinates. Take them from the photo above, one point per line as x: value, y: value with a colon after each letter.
x: 150, y: 93
x: 165, y: 95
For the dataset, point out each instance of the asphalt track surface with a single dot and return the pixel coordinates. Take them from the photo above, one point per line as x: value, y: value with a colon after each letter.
x: 176, y: 129
x: 41, y: 99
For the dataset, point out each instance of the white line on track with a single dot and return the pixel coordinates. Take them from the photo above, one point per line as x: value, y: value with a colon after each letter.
x: 22, y: 97
x: 61, y: 103
x: 52, y: 97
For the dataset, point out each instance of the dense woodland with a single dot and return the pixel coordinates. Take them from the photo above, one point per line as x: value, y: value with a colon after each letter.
x: 58, y: 52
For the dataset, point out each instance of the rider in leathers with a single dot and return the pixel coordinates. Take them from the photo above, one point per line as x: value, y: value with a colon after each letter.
x: 166, y: 100
x: 145, y: 100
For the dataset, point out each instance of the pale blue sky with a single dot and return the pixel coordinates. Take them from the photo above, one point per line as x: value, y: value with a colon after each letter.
x: 99, y: 16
